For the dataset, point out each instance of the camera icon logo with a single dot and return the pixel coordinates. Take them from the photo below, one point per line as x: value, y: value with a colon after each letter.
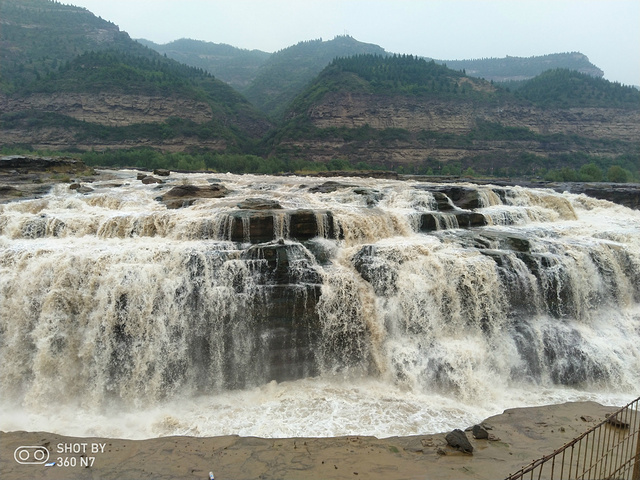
x: 31, y: 455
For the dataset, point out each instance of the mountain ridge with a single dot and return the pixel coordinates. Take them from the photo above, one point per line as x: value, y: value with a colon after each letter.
x: 96, y: 89
x: 403, y: 111
x: 107, y: 86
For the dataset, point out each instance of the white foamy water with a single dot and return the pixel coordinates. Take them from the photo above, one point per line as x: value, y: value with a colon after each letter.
x: 120, y: 317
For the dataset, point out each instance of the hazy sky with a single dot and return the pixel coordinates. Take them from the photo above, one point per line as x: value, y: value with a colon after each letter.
x: 607, y: 31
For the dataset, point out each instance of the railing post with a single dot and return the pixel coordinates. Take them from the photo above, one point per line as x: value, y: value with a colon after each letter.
x: 636, y: 466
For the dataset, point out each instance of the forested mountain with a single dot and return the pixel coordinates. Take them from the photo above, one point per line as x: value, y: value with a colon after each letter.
x: 287, y: 72
x: 405, y: 112
x: 94, y: 86
x: 235, y: 66
x: 523, y: 68
x: 338, y: 104
x: 37, y: 36
x: 569, y: 88
x: 271, y: 81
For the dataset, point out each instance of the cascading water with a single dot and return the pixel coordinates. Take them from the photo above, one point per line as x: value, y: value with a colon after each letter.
x: 298, y: 307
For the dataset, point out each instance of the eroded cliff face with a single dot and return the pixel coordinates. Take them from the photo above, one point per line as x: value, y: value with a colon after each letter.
x: 61, y: 139
x: 608, y: 127
x: 459, y: 117
x: 111, y: 109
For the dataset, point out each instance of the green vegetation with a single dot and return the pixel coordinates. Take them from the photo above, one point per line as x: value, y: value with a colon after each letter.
x: 401, y: 75
x: 519, y: 68
x: 86, y: 132
x: 38, y: 36
x: 207, y: 161
x: 563, y: 88
x: 119, y: 72
x: 555, y: 168
x: 235, y: 66
x: 287, y: 72
x: 91, y: 56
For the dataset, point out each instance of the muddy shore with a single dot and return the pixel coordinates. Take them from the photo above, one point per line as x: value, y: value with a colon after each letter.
x: 517, y: 437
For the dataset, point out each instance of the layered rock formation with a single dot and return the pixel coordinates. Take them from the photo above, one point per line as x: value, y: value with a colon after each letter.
x: 443, y: 117
x: 111, y: 109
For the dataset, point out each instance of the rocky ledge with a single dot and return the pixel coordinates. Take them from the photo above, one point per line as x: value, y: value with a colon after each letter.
x: 29, y: 176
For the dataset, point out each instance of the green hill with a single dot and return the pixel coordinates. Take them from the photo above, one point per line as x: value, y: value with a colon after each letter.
x: 38, y: 36
x: 287, y: 72
x: 235, y: 66
x: 130, y: 93
x: 523, y: 68
x: 405, y: 112
x: 566, y: 88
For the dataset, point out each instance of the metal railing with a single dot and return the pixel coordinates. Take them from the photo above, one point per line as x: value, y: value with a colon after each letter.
x: 610, y: 450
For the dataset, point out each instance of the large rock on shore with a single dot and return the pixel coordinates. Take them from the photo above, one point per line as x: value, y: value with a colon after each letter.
x: 458, y: 439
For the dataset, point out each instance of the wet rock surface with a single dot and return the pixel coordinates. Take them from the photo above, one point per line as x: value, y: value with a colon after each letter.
x: 458, y: 439
x: 29, y: 176
x: 186, y: 195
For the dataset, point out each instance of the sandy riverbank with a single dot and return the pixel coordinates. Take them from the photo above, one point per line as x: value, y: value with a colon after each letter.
x: 521, y: 435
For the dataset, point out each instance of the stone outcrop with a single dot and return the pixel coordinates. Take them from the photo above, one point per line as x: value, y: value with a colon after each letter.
x: 110, y: 109
x: 29, y: 176
x: 148, y: 179
x: 186, y: 195
x: 353, y: 110
x: 626, y: 194
x: 442, y: 118
x: 259, y: 204
x: 37, y: 163
x: 258, y: 226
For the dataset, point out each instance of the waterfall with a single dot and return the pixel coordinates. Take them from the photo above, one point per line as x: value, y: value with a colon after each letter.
x: 430, y: 291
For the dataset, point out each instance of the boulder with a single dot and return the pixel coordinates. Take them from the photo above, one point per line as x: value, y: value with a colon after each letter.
x: 148, y: 180
x: 479, y: 432
x: 329, y: 187
x: 259, y: 204
x: 185, y: 195
x: 443, y: 202
x: 458, y: 439
x: 162, y: 172
x: 79, y: 188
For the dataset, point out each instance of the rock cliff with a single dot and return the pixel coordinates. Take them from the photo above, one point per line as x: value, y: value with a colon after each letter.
x: 110, y: 109
x: 608, y: 127
x: 351, y: 110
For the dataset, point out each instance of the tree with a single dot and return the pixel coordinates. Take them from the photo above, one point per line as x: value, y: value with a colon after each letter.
x: 617, y: 174
x: 590, y: 173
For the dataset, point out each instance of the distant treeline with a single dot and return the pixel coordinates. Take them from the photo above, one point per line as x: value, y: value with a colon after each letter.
x: 562, y: 88
x: 116, y: 71
x: 558, y: 168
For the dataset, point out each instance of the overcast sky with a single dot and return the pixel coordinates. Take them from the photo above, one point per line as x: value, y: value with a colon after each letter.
x: 607, y: 31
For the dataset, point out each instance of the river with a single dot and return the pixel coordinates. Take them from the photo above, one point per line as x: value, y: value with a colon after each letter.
x: 400, y: 308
